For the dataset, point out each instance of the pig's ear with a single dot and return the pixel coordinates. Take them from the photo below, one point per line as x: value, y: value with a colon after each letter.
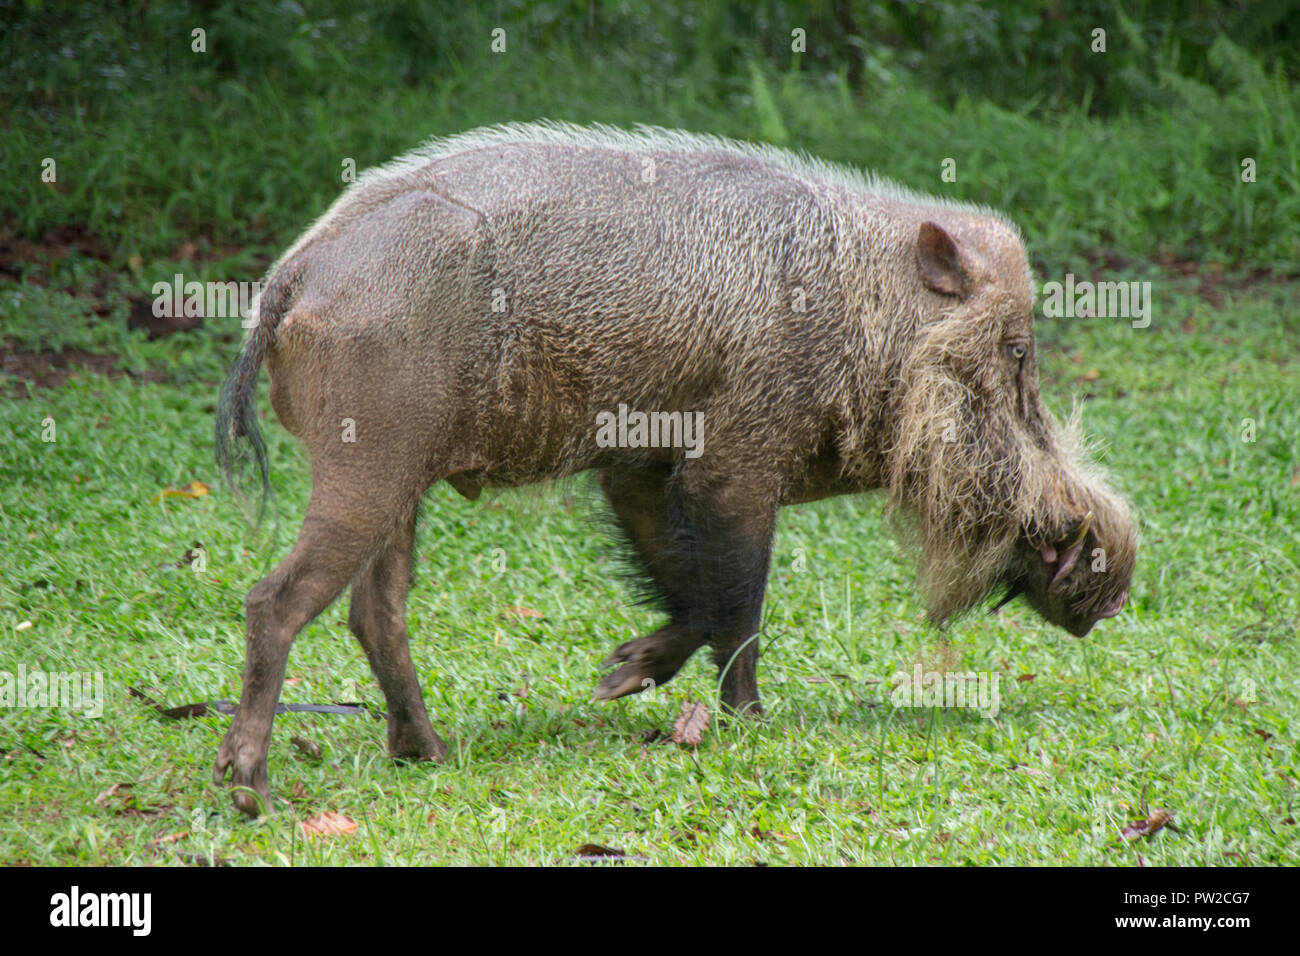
x: 939, y: 260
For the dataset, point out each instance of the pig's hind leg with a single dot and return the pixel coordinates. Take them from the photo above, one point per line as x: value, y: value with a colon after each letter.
x: 378, y: 619
x: 337, y: 538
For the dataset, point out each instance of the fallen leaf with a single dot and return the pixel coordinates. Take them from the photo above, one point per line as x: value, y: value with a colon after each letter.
x: 591, y: 851
x: 308, y: 747
x: 195, y: 489
x: 1156, y: 820
x: 1263, y: 734
x: 99, y: 800
x: 187, y: 559
x: 1025, y: 678
x: 690, y: 724
x: 328, y: 824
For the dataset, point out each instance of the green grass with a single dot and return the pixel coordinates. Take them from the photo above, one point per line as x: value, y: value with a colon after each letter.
x: 1186, y: 701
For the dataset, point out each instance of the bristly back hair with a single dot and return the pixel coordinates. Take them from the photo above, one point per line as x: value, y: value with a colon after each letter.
x: 640, y: 139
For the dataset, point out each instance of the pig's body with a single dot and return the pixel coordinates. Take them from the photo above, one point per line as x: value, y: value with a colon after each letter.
x: 468, y: 312
x: 555, y: 279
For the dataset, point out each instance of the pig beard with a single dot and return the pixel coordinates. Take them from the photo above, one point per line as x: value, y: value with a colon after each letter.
x: 959, y: 502
x: 967, y: 486
x: 974, y: 505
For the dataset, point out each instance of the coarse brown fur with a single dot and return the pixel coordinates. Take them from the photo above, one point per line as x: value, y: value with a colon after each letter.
x: 467, y: 312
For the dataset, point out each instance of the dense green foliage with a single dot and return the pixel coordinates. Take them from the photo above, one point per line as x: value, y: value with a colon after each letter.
x: 1137, y: 149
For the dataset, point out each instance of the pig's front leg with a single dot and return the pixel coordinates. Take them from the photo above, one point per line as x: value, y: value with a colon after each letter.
x: 705, y: 542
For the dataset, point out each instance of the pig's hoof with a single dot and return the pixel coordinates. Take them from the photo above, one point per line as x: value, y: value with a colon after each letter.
x: 413, y: 744
x: 628, y: 679
x: 647, y: 662
x: 249, y: 779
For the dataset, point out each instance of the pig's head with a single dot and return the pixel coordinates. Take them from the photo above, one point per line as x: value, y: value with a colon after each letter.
x: 1000, y: 495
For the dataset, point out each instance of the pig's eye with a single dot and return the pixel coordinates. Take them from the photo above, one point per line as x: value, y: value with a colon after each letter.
x: 1017, y: 350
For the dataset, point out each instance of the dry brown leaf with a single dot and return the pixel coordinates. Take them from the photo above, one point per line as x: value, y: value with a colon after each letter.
x: 690, y: 724
x: 328, y: 824
x: 590, y: 851
x: 1026, y: 678
x: 307, y: 747
x: 1156, y: 820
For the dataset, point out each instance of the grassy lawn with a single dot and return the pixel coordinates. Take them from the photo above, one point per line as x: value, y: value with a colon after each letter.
x: 1174, y: 157
x: 1187, y: 701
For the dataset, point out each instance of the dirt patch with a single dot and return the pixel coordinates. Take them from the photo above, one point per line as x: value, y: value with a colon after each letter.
x: 24, y: 257
x: 1209, y: 280
x: 140, y: 316
x: 51, y: 369
x: 19, y: 257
